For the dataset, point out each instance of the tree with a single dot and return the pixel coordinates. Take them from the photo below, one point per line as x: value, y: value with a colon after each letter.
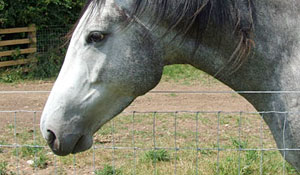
x: 43, y: 13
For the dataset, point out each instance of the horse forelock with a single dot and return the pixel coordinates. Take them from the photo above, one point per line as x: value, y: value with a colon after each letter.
x: 194, y: 16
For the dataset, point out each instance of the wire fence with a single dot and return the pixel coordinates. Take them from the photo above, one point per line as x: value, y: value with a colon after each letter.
x: 172, y: 142
x: 52, y: 37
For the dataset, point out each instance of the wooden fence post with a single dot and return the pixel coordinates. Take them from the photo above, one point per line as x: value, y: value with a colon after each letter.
x: 32, y: 36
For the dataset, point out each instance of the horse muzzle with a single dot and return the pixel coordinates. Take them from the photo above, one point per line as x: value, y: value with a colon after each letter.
x: 68, y: 144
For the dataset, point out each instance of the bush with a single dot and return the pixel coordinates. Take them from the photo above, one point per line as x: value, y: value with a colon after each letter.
x: 43, y: 13
x: 53, y: 19
x: 48, y: 65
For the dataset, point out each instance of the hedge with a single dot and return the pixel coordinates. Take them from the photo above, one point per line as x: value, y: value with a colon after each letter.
x: 52, y: 18
x: 43, y: 13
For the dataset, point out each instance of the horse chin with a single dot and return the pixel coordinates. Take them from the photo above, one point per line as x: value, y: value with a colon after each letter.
x: 84, y: 143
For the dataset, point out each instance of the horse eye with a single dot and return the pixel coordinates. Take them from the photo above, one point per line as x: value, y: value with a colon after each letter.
x: 95, y: 37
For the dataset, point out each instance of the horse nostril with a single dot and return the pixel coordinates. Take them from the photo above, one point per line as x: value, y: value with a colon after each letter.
x: 52, y: 141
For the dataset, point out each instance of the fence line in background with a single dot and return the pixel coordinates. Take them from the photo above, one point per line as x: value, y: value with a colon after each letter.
x: 177, y: 92
x: 134, y: 148
x: 30, y: 43
x: 178, y: 111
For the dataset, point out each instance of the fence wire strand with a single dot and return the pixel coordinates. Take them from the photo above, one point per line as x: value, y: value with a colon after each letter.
x: 261, y: 147
x: 135, y: 148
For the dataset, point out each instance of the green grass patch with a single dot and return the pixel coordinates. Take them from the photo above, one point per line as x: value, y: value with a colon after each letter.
x: 239, y: 143
x: 186, y: 74
x: 66, y: 160
x: 41, y: 161
x: 49, y: 64
x: 27, y: 152
x: 109, y: 170
x: 160, y: 155
x: 3, y: 168
x: 248, y: 162
x: 145, y: 160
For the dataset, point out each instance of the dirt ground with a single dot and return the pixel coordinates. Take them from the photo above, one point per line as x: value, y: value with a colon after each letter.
x: 11, y: 99
x: 149, y: 102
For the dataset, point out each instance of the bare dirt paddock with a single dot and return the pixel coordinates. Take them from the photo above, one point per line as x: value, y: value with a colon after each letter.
x: 148, y: 102
x: 152, y: 140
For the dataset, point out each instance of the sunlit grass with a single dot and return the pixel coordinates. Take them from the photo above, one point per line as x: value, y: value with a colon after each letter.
x: 187, y: 143
x: 186, y: 74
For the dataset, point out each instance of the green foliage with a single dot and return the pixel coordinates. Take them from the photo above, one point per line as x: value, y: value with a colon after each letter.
x: 109, y: 170
x: 41, y: 161
x: 248, y: 162
x: 1, y: 15
x: 186, y: 74
x: 157, y: 155
x: 11, y: 75
x: 239, y: 143
x: 27, y: 151
x: 1, y: 4
x: 48, y: 64
x: 4, y: 170
x: 43, y: 13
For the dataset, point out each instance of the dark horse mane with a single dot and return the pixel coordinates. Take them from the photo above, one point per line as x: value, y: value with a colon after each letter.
x: 194, y: 16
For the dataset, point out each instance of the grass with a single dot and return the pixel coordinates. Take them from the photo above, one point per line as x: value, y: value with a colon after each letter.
x: 2, y: 143
x: 246, y: 163
x: 239, y: 162
x: 38, y: 154
x: 41, y: 161
x: 148, y: 160
x: 186, y: 74
x: 239, y: 144
x: 3, y: 168
x: 109, y: 170
x: 27, y: 151
x: 157, y: 156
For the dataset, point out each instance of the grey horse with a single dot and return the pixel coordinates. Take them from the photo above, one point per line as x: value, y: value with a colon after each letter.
x: 119, y: 47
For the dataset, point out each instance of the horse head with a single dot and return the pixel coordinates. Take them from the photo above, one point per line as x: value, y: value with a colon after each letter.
x: 106, y: 67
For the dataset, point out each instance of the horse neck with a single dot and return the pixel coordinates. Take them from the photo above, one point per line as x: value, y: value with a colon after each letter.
x: 272, y: 65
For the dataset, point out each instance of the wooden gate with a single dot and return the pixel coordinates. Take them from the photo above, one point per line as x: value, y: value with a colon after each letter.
x: 29, y: 42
